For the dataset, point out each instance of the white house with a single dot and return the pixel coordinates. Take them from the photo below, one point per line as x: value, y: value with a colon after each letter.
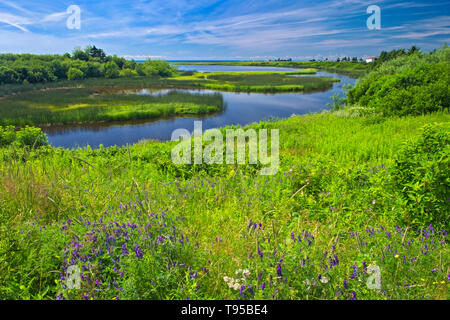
x: 370, y: 59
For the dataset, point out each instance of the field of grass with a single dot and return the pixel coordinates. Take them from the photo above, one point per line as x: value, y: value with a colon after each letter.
x: 93, y: 104
x: 141, y: 227
x: 268, y: 82
x: 355, y: 69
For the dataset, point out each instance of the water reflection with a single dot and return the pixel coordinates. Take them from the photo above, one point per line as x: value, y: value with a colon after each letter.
x: 241, y: 109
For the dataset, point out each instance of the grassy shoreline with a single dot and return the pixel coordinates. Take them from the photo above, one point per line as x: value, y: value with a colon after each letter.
x: 91, y: 104
x: 355, y: 69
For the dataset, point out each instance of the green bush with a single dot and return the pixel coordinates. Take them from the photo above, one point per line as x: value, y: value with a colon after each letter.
x: 128, y: 73
x: 7, y: 135
x: 414, y: 84
x: 31, y: 136
x: 75, y: 74
x: 422, y: 174
x: 111, y: 70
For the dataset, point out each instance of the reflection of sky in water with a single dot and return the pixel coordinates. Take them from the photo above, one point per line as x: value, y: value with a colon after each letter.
x: 241, y: 108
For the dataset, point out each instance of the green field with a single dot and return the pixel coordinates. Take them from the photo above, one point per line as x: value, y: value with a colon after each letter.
x: 266, y: 82
x: 355, y: 69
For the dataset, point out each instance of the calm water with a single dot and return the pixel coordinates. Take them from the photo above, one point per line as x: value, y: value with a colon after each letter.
x: 241, y: 108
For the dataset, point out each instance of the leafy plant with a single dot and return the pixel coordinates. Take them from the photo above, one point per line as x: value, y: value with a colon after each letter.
x: 422, y: 177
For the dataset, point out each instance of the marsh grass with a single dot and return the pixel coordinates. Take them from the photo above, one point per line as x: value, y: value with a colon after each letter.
x: 68, y: 105
x: 263, y: 82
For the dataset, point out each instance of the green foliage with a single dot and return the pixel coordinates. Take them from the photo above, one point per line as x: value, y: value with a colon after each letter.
x: 128, y: 73
x: 414, y: 84
x: 75, y: 74
x: 155, y: 68
x: 112, y: 70
x: 7, y: 135
x: 92, y: 62
x: 25, y: 137
x: 422, y: 177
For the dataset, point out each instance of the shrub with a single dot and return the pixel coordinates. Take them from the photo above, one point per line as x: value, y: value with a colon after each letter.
x: 31, y: 136
x: 7, y: 135
x: 128, y: 73
x: 111, y: 70
x: 415, y: 85
x: 75, y: 74
x: 421, y: 175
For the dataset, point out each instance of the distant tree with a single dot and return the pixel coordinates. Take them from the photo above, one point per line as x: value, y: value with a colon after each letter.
x: 94, y: 52
x: 8, y: 76
x: 79, y: 54
x: 75, y: 74
x: 112, y: 70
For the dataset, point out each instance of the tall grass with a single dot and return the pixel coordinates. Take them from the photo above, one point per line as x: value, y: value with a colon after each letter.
x: 70, y: 105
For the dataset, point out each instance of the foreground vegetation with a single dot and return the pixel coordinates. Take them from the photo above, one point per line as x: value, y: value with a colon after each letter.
x: 140, y: 227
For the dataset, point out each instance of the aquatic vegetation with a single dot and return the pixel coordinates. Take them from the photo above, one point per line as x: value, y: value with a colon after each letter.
x: 93, y: 104
x: 266, y: 82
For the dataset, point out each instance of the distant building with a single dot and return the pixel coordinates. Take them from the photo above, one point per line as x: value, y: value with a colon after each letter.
x: 370, y: 59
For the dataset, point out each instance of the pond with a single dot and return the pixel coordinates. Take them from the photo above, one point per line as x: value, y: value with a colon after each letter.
x: 240, y: 109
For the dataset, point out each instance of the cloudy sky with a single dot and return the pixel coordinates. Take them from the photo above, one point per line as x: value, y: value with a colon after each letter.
x: 223, y: 29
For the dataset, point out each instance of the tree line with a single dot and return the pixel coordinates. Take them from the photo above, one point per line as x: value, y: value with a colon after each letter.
x: 89, y: 62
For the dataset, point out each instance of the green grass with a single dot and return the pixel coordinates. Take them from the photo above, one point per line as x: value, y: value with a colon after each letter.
x: 265, y: 82
x: 197, y: 224
x: 355, y: 69
x: 93, y: 104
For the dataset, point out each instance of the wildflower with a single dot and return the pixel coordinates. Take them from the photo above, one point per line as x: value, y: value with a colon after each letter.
x: 260, y: 253
x: 279, y: 273
x: 373, y: 202
x: 263, y: 286
x: 324, y: 280
x: 242, y: 291
x: 396, y: 256
x: 139, y: 253
x: 354, y: 274
x: 345, y: 283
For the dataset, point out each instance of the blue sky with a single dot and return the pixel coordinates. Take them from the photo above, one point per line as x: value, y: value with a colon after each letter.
x: 223, y: 29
